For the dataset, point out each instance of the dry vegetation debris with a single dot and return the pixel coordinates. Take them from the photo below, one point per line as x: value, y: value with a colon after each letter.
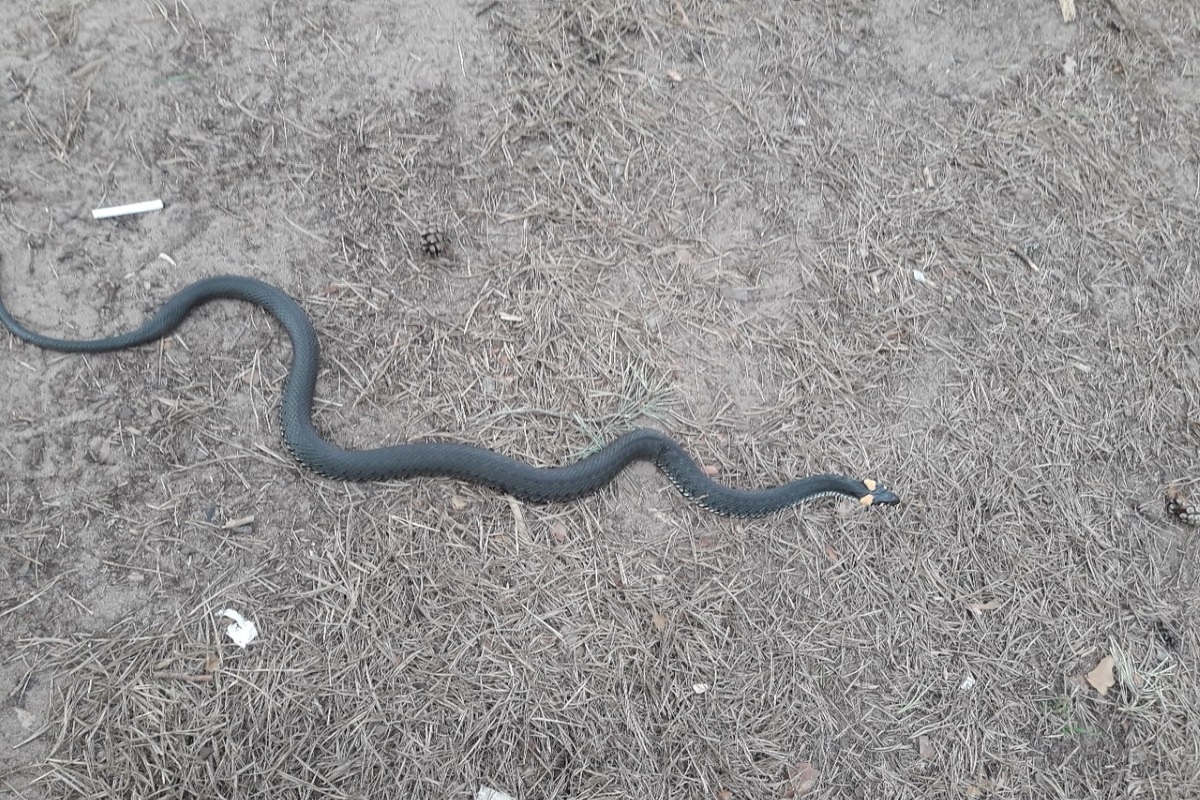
x: 706, y: 218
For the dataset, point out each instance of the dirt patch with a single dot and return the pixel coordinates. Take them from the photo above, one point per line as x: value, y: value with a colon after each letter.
x: 953, y: 250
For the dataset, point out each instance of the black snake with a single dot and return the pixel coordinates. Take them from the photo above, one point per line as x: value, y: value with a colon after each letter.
x: 436, y: 459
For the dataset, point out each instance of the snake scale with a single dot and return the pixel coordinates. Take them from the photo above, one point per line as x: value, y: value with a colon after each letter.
x: 436, y: 459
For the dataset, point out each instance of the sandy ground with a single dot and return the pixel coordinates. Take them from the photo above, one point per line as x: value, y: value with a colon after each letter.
x: 949, y: 246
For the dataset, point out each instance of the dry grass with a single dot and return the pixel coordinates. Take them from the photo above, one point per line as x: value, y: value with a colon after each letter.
x: 729, y: 256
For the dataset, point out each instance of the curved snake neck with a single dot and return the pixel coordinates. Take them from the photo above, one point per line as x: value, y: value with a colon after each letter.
x: 435, y: 459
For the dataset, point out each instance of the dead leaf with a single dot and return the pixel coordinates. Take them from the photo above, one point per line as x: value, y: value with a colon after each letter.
x: 831, y: 554
x: 724, y: 794
x: 925, y: 748
x: 457, y: 503
x: 1102, y: 677
x: 559, y: 532
x: 488, y: 793
x: 978, y: 608
x: 681, y: 17
x: 847, y: 509
x: 981, y: 787
x: 212, y: 662
x: 660, y: 620
x: 675, y: 75
x: 712, y: 472
x: 26, y: 718
x: 804, y: 778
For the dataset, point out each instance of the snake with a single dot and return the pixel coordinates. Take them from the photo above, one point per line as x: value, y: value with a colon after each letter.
x: 477, y: 465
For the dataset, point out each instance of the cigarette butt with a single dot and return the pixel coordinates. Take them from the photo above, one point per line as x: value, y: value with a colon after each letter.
x: 123, y: 211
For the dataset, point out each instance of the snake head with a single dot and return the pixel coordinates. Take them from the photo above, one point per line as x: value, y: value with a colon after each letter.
x: 878, y: 495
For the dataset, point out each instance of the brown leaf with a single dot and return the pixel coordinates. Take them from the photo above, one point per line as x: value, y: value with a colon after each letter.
x: 804, y: 778
x: 1102, y: 678
x: 27, y: 719
x: 212, y: 662
x: 831, y: 554
x: 1078, y: 681
x: 925, y: 748
x: 981, y: 787
x: 681, y: 17
x: 559, y: 531
x: 724, y: 794
x: 458, y: 503
x: 660, y: 620
x: 978, y: 608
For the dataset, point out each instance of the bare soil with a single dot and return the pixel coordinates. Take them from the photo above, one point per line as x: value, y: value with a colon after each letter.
x: 951, y: 246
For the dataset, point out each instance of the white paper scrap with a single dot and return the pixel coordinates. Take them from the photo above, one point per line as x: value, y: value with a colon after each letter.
x: 124, y: 211
x: 488, y: 793
x: 242, y: 631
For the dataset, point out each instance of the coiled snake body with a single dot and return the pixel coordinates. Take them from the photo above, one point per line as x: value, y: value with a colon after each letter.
x: 430, y: 459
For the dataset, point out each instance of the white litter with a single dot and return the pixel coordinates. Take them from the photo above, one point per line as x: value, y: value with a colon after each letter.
x: 126, y: 210
x: 488, y: 793
x: 242, y: 631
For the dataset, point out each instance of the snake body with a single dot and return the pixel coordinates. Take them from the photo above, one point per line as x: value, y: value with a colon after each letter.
x: 435, y: 459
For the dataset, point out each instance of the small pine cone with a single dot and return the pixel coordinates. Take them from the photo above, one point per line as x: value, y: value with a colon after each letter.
x: 434, y: 240
x: 1180, y: 507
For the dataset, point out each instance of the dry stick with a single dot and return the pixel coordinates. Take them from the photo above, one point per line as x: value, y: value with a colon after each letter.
x: 183, y: 676
x: 45, y: 589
